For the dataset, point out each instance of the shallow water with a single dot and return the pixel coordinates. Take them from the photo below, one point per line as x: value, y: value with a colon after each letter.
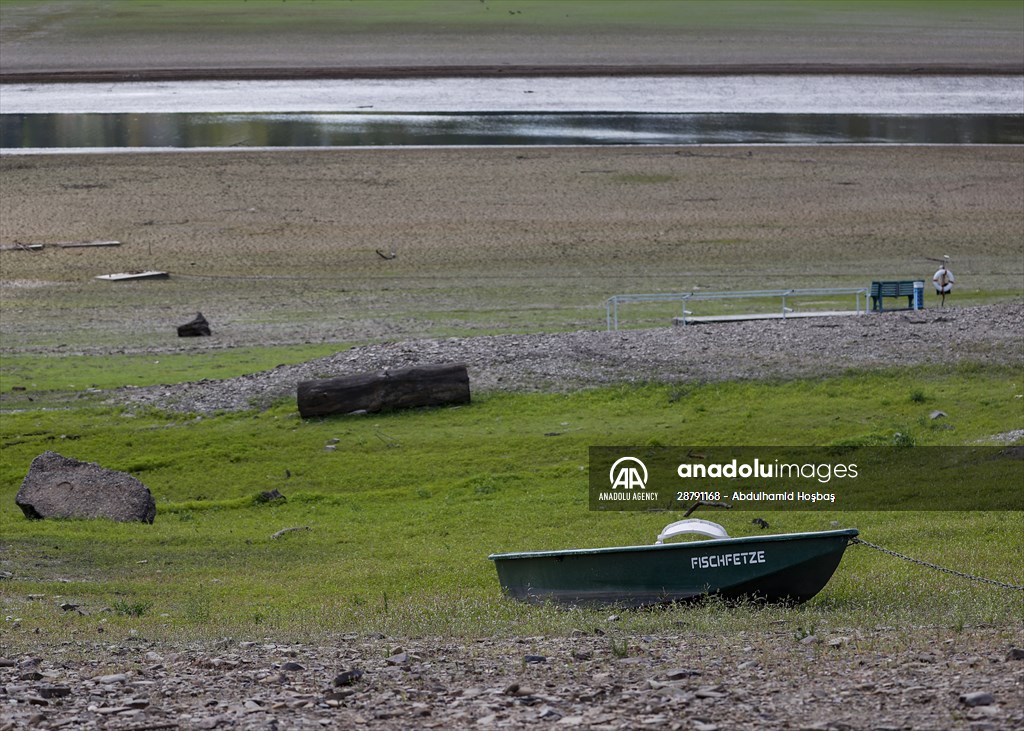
x: 84, y: 131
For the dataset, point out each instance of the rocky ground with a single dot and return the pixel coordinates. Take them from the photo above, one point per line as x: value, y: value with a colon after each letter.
x: 837, y: 682
x: 779, y: 349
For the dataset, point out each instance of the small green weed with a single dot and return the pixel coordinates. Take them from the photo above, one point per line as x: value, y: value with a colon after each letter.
x: 619, y: 648
x: 131, y: 608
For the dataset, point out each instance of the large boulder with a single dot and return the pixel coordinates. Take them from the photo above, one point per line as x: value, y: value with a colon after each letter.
x: 59, y: 487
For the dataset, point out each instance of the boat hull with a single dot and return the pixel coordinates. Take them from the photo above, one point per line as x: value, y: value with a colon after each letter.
x: 782, y: 568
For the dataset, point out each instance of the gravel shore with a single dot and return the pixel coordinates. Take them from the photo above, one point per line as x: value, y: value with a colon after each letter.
x: 878, y: 680
x: 766, y: 349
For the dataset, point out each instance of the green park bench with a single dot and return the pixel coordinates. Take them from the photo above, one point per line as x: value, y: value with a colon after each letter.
x: 903, y: 288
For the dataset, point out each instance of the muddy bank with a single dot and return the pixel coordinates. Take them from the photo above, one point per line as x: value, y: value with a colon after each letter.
x: 518, y: 70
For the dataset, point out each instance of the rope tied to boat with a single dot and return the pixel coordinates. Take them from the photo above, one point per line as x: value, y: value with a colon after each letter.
x: 919, y: 562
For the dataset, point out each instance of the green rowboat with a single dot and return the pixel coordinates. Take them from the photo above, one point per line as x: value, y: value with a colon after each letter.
x: 789, y: 567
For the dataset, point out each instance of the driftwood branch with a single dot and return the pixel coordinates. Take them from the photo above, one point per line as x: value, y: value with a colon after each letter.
x: 18, y: 246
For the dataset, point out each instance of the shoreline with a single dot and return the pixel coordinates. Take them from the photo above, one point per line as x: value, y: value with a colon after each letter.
x: 245, y: 73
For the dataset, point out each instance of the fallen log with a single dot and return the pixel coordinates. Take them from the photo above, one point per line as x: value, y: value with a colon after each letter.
x: 426, y: 385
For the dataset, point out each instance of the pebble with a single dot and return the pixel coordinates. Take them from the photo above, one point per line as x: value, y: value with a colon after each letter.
x: 979, y: 698
x: 53, y: 691
x: 112, y: 679
x: 347, y: 677
x: 488, y: 684
x: 790, y: 349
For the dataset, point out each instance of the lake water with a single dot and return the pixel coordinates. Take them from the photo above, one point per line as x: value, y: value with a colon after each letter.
x: 814, y: 109
x: 215, y: 130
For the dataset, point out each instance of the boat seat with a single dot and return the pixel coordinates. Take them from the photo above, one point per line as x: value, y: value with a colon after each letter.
x: 691, y: 526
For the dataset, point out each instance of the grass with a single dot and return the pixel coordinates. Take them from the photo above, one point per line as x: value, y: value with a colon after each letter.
x: 362, y: 16
x: 402, y: 513
x: 100, y: 17
x: 39, y: 374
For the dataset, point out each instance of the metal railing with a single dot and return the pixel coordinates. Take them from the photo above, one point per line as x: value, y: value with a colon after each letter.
x: 613, y: 302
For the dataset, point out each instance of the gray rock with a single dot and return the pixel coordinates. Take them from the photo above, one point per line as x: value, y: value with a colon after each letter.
x: 198, y: 326
x: 59, y: 487
x: 977, y: 699
x: 347, y: 677
x: 270, y: 496
x: 112, y: 679
x: 54, y: 691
